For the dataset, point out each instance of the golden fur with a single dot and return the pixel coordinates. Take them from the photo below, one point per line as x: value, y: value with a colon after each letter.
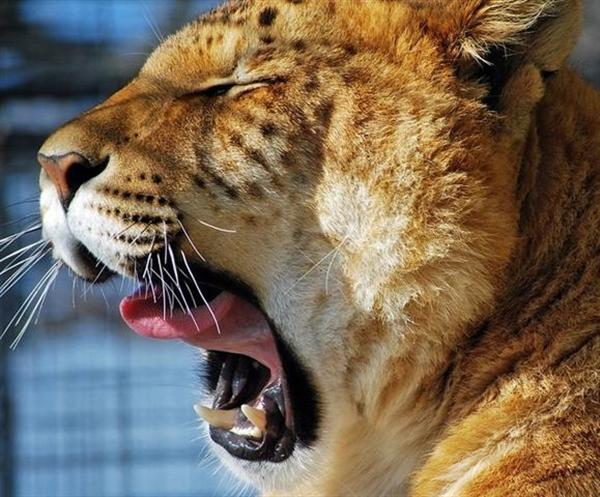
x: 414, y: 186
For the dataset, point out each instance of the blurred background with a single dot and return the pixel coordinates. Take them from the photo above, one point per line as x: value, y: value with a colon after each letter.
x: 88, y: 409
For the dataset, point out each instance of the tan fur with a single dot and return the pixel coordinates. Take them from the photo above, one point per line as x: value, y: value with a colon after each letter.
x: 432, y: 261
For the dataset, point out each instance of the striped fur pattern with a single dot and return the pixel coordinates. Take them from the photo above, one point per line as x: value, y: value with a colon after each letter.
x: 416, y: 205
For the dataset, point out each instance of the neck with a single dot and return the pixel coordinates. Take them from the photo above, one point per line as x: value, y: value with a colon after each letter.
x: 552, y: 288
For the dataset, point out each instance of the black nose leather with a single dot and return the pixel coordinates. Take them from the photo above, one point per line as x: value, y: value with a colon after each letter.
x: 68, y: 172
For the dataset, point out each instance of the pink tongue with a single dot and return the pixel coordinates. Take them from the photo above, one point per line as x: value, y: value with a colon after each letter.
x: 242, y: 329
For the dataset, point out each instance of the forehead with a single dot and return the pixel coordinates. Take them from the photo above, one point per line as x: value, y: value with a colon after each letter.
x: 211, y: 46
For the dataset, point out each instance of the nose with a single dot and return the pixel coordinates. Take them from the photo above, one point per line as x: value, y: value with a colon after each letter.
x: 69, y: 171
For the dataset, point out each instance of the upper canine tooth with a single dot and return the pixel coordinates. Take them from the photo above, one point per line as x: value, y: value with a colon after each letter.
x: 256, y: 416
x: 217, y: 417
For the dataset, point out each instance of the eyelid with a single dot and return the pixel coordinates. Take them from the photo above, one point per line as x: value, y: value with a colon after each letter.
x: 228, y: 87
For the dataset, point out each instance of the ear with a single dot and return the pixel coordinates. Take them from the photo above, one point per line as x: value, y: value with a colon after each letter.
x: 492, y: 39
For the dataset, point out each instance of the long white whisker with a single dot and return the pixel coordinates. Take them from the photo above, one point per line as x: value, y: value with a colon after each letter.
x: 207, y: 224
x: 153, y: 26
x: 38, y: 306
x: 23, y: 249
x: 164, y: 291
x: 104, y: 268
x: 22, y: 271
x: 174, y: 265
x: 9, y: 240
x: 189, y: 239
x: 166, y: 239
x: 214, y: 317
x: 173, y: 297
x: 185, y: 303
x: 331, y: 262
x: 15, y: 264
x: 25, y: 305
x: 315, y: 266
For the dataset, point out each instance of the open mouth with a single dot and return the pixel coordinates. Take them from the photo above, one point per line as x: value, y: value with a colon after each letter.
x: 252, y: 415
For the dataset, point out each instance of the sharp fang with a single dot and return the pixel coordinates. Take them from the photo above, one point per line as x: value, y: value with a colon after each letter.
x: 256, y: 416
x: 217, y: 417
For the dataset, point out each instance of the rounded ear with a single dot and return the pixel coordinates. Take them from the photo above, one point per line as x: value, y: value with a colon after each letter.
x: 489, y: 40
x: 539, y: 32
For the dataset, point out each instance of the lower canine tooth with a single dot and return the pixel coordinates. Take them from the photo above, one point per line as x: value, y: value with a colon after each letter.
x: 250, y: 431
x: 256, y: 416
x: 218, y: 418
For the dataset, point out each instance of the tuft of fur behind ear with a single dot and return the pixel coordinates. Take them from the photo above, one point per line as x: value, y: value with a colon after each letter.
x: 539, y: 32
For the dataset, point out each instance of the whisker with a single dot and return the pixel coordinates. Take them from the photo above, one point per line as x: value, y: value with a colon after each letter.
x: 207, y: 224
x: 91, y: 285
x: 173, y: 297
x: 116, y: 235
x: 174, y: 265
x: 166, y: 240
x: 9, y: 240
x: 214, y: 317
x: 16, y: 319
x: 26, y: 200
x: 189, y: 239
x: 22, y: 271
x: 153, y: 26
x: 331, y: 262
x: 27, y: 217
x: 164, y: 295
x: 185, y: 303
x: 38, y: 306
x: 315, y: 266
x: 21, y: 250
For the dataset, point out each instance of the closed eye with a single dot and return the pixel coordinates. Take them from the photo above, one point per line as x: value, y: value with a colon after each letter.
x: 228, y: 88
x: 215, y: 91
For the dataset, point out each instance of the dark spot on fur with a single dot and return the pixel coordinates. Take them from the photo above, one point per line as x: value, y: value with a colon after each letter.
x: 268, y: 129
x: 135, y: 218
x: 126, y: 195
x: 249, y: 219
x: 254, y: 190
x: 351, y: 49
x: 311, y: 85
x: 350, y: 76
x: 139, y: 196
x: 267, y: 40
x: 295, y: 2
x: 299, y: 45
x: 128, y: 179
x: 236, y: 140
x: 267, y: 16
x: 199, y: 182
x: 209, y: 41
x: 143, y: 177
x: 116, y: 191
x: 156, y: 179
x: 300, y: 178
x: 324, y: 112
